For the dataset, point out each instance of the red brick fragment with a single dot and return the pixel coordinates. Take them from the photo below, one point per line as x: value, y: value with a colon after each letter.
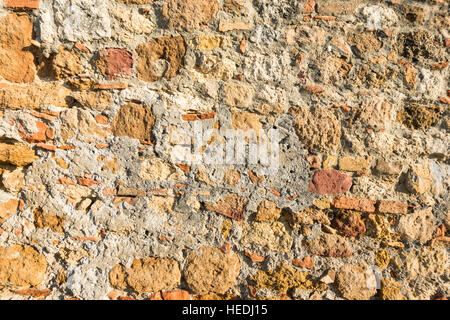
x: 115, y: 63
x: 330, y: 182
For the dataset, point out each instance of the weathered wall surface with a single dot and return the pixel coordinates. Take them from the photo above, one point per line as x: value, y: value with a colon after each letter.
x: 94, y: 93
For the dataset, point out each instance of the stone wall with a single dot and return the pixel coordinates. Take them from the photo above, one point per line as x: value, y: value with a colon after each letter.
x: 97, y: 96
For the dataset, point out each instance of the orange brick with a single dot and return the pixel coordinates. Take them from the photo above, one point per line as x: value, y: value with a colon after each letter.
x: 66, y: 181
x: 111, y: 86
x: 101, y: 119
x: 50, y: 133
x: 441, y: 65
x: 194, y: 117
x: 87, y: 182
x: 309, y: 7
x: 42, y: 115
x: 254, y: 256
x: 445, y: 100
x: 81, y: 47
x: 326, y: 18
x: 365, y: 205
x: 33, y: 292
x: 176, y: 295
x: 389, y: 206
x: 32, y: 4
x: 48, y: 147
x: 314, y: 89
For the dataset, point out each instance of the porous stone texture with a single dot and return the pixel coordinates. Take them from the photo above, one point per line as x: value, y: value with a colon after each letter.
x: 115, y: 147
x: 211, y: 270
x: 146, y: 275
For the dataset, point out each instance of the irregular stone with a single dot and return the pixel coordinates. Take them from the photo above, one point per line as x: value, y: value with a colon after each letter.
x: 82, y: 20
x: 284, y: 278
x: 238, y: 95
x: 267, y: 211
x: 378, y: 227
x: 390, y: 290
x: 418, y: 179
x: 419, y: 45
x: 388, y: 168
x: 95, y: 100
x: 34, y: 96
x: 418, y: 226
x: 211, y: 270
x: 333, y: 69
x: 231, y: 177
x: 16, y: 63
x: 365, y: 42
x: 21, y: 266
x: 160, y: 58
x: 382, y: 258
x: 354, y: 165
x: 16, y: 154
x: 349, y: 223
x: 13, y: 181
x: 65, y: 63
x: 318, y: 129
x: 8, y: 206
x: 160, y: 170
x: 270, y: 236
x: 230, y: 205
x: 146, y: 275
x: 328, y: 8
x: 48, y: 220
x: 329, y: 245
x: 414, y: 14
x: 134, y: 121
x: 114, y: 63
x: 419, y: 116
x: 330, y: 182
x: 189, y: 14
x: 378, y: 17
x: 130, y: 20
x: 210, y: 41
x: 245, y: 121
x: 374, y: 113
x: 81, y: 124
x: 309, y: 216
x: 426, y: 262
x: 161, y: 204
x: 352, y: 282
